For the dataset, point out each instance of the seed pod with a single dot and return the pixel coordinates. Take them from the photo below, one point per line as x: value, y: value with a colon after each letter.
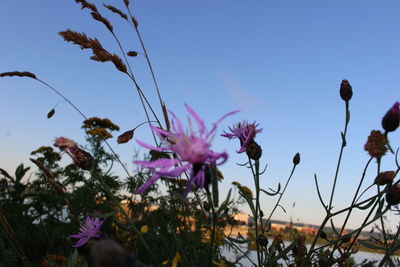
x: 296, y: 159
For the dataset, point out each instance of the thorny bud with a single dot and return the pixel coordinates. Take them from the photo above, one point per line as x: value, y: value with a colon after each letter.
x: 254, y: 150
x: 384, y: 178
x: 393, y: 195
x: 323, y: 235
x: 262, y: 240
x: 376, y: 144
x: 391, y: 120
x: 346, y: 91
x: 296, y: 159
x: 346, y: 238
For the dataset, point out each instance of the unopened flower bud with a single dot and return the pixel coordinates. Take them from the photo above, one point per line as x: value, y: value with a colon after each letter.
x: 346, y: 91
x: 393, y: 195
x: 391, y: 120
x: 346, y: 238
x: 254, y: 150
x: 384, y: 178
x: 296, y: 159
x: 323, y: 235
x: 262, y: 240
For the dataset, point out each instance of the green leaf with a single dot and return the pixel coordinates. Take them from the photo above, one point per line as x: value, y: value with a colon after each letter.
x: 370, y: 245
x: 343, y: 139
x: 20, y: 172
x: 319, y: 193
x: 3, y: 172
x: 239, y: 241
x: 369, y: 204
x: 274, y: 192
x: 72, y: 258
x: 225, y: 203
x: 334, y: 228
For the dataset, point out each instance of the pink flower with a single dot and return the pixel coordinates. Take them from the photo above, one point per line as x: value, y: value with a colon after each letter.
x: 89, y: 229
x: 245, y: 132
x: 80, y: 157
x: 192, y: 149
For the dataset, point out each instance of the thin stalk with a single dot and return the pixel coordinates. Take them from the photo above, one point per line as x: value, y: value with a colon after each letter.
x: 281, y: 194
x: 340, y: 154
x: 83, y: 115
x: 392, y: 249
x: 8, y: 232
x: 140, y: 92
x: 352, y: 203
x: 146, y: 56
x: 256, y: 215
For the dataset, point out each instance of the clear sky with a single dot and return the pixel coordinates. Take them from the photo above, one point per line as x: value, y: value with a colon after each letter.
x: 279, y: 62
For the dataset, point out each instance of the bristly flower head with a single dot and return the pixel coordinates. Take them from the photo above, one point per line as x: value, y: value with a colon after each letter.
x: 80, y: 157
x: 391, y: 120
x: 90, y: 229
x: 245, y: 132
x: 192, y: 149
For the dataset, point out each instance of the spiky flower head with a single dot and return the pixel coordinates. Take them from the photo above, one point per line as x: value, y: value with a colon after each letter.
x: 376, y: 144
x: 245, y: 132
x: 391, y: 120
x: 90, y: 229
x: 192, y: 148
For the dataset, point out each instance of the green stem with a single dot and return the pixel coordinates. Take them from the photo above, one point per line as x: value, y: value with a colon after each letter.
x: 340, y: 154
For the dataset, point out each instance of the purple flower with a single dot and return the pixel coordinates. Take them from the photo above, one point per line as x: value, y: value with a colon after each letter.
x: 245, y: 132
x: 88, y: 230
x: 391, y: 120
x: 192, y: 149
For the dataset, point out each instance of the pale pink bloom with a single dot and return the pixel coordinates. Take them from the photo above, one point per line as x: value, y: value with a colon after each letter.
x: 192, y: 148
x: 80, y: 157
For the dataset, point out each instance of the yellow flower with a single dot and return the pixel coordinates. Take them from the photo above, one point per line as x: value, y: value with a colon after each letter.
x: 144, y: 229
x: 175, y: 260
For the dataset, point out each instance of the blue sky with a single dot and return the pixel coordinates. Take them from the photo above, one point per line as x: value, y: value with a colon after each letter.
x: 279, y: 62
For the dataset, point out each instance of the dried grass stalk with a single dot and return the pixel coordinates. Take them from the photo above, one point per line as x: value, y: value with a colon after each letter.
x: 102, y: 19
x: 50, y: 178
x: 87, y: 5
x: 166, y: 118
x: 135, y: 22
x: 99, y: 53
x: 18, y: 73
x: 117, y: 11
